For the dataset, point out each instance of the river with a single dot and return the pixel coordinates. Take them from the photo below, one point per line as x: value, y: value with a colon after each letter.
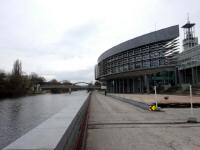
x: 18, y: 116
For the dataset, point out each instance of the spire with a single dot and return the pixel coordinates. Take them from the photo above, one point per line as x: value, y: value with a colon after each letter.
x: 189, y: 40
x: 188, y: 18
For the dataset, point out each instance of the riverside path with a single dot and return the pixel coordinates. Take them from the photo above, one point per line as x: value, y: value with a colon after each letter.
x: 115, y: 125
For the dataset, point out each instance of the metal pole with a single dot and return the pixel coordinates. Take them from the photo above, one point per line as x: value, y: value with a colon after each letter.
x: 191, y: 119
x: 197, y: 74
x: 156, y: 96
x: 133, y: 85
x: 191, y: 104
x: 123, y: 85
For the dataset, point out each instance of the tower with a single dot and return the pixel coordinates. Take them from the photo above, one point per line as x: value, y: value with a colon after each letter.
x: 189, y: 40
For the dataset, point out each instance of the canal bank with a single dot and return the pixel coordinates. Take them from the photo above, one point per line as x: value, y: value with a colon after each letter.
x: 21, y: 115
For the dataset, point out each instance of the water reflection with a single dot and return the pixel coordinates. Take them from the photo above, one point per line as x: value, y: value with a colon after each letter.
x: 17, y: 116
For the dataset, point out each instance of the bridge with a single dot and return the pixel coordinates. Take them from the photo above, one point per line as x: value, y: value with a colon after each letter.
x: 70, y: 86
x: 80, y: 83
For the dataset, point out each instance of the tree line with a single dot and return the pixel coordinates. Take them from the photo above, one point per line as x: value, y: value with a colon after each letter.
x: 16, y: 83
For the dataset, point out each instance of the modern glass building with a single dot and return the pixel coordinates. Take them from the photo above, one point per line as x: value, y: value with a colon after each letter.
x: 138, y: 64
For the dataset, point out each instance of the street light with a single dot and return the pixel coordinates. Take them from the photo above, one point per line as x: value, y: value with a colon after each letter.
x: 192, y: 118
x: 156, y: 97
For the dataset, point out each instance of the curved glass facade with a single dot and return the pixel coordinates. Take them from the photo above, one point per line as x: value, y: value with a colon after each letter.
x: 139, y: 60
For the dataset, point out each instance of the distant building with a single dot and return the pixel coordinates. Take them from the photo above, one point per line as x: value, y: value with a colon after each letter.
x: 189, y: 59
x: 140, y: 63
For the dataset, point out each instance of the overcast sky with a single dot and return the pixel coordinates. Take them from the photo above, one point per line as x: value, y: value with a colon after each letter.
x: 63, y: 39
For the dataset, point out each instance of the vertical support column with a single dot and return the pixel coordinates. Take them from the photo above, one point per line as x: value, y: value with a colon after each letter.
x: 140, y: 79
x: 133, y: 85
x: 197, y: 74
x: 119, y: 86
x: 114, y: 86
x: 175, y: 76
x: 123, y: 90
x: 108, y: 86
x: 180, y: 79
x: 111, y: 85
x: 108, y: 83
x: 125, y: 85
x: 185, y: 75
x: 112, y: 82
x: 146, y: 81
x: 142, y: 84
x: 128, y: 85
x: 193, y: 78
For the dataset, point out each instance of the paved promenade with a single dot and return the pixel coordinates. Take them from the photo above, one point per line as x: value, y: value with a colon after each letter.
x: 115, y: 125
x: 149, y: 98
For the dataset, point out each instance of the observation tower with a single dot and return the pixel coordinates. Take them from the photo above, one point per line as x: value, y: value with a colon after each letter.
x: 189, y: 40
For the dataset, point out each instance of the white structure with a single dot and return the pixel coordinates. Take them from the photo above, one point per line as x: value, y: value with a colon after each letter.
x: 189, y: 59
x: 189, y: 40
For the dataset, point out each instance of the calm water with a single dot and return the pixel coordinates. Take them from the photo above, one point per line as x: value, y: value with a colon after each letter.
x: 17, y: 116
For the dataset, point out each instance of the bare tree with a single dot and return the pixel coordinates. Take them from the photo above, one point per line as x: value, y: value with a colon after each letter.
x: 17, y: 68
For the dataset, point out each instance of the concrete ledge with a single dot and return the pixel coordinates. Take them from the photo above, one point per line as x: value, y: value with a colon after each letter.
x: 141, y: 105
x: 61, y: 131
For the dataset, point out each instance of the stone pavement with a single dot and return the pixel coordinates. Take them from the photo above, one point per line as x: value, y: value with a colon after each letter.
x: 115, y: 125
x: 149, y: 98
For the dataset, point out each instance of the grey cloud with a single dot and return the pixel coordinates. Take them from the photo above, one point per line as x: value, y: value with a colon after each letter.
x: 25, y: 34
x: 82, y: 32
x: 86, y: 75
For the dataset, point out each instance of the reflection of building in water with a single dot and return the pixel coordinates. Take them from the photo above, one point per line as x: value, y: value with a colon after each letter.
x: 189, y: 59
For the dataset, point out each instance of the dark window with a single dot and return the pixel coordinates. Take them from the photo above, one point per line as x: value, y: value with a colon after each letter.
x: 146, y: 64
x: 138, y: 65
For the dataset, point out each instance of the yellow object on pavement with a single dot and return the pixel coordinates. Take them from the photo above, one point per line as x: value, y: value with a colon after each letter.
x: 153, y: 108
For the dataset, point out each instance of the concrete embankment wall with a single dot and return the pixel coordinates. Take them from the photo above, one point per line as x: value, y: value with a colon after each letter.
x: 66, y: 130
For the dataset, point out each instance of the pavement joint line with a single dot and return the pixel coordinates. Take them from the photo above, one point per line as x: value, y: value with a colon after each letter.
x: 141, y: 123
x: 146, y: 125
x: 128, y: 127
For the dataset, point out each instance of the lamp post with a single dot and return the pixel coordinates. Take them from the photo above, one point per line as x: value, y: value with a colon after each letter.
x: 156, y: 97
x: 191, y: 104
x: 192, y: 118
